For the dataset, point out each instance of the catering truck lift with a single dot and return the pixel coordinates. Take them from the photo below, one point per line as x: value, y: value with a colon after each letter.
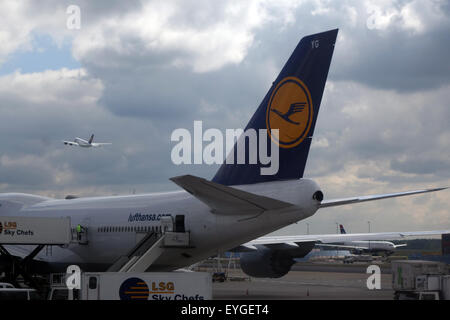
x: 38, y: 232
x: 126, y: 279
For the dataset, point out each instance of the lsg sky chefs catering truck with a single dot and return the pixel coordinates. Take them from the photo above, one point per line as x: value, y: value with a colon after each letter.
x: 133, y: 286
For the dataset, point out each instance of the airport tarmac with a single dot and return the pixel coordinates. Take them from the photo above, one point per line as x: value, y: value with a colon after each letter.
x: 333, y: 284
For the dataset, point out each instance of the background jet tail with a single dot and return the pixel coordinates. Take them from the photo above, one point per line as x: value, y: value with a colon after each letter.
x: 290, y: 106
x: 445, y: 244
x: 342, y: 229
x: 91, y: 139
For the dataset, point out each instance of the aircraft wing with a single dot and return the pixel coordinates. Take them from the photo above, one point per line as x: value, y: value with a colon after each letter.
x: 71, y: 143
x: 227, y: 200
x: 340, y: 202
x: 340, y: 246
x: 333, y: 238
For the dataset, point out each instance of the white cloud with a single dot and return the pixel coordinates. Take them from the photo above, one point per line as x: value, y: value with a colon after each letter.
x: 59, y: 87
x: 13, y: 35
x: 215, y: 36
x: 20, y: 22
x: 415, y: 16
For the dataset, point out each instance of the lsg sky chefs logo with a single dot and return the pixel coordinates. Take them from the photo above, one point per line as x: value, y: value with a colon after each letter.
x: 11, y: 228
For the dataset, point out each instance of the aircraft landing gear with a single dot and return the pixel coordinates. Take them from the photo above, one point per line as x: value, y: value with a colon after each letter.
x: 17, y: 267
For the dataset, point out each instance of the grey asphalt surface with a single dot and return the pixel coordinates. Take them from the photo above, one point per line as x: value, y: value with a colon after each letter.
x: 331, y: 282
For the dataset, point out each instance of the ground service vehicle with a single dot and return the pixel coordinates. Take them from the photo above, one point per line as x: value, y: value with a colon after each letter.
x: 424, y: 280
x: 134, y: 286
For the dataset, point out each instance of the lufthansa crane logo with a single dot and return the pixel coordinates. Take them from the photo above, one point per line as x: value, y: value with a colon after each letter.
x: 290, y: 110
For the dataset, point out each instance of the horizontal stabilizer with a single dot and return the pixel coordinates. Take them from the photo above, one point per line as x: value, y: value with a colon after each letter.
x: 227, y: 200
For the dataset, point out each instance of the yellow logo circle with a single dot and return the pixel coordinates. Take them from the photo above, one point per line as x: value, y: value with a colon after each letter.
x: 289, y: 110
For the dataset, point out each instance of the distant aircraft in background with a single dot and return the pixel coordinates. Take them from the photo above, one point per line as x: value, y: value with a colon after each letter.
x: 374, y: 247
x: 85, y: 144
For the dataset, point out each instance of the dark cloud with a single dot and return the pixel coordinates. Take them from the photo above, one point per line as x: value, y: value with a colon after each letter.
x: 422, y: 166
x: 399, y: 61
x: 382, y: 127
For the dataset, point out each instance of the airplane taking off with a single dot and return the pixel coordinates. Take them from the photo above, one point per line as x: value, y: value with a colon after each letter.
x: 85, y: 144
x: 237, y: 206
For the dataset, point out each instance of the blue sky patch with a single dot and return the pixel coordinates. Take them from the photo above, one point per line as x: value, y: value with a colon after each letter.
x: 44, y: 55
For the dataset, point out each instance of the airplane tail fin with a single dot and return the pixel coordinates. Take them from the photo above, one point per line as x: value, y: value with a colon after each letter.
x: 342, y: 229
x: 91, y: 139
x: 288, y: 112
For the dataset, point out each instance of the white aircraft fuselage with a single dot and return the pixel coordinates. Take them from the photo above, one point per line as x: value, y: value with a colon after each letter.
x: 82, y: 143
x: 372, y: 245
x: 111, y: 222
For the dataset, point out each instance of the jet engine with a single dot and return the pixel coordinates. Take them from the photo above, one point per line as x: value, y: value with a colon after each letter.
x: 266, y: 263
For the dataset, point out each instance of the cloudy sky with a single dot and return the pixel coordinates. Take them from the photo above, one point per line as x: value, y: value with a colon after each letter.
x: 136, y: 70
